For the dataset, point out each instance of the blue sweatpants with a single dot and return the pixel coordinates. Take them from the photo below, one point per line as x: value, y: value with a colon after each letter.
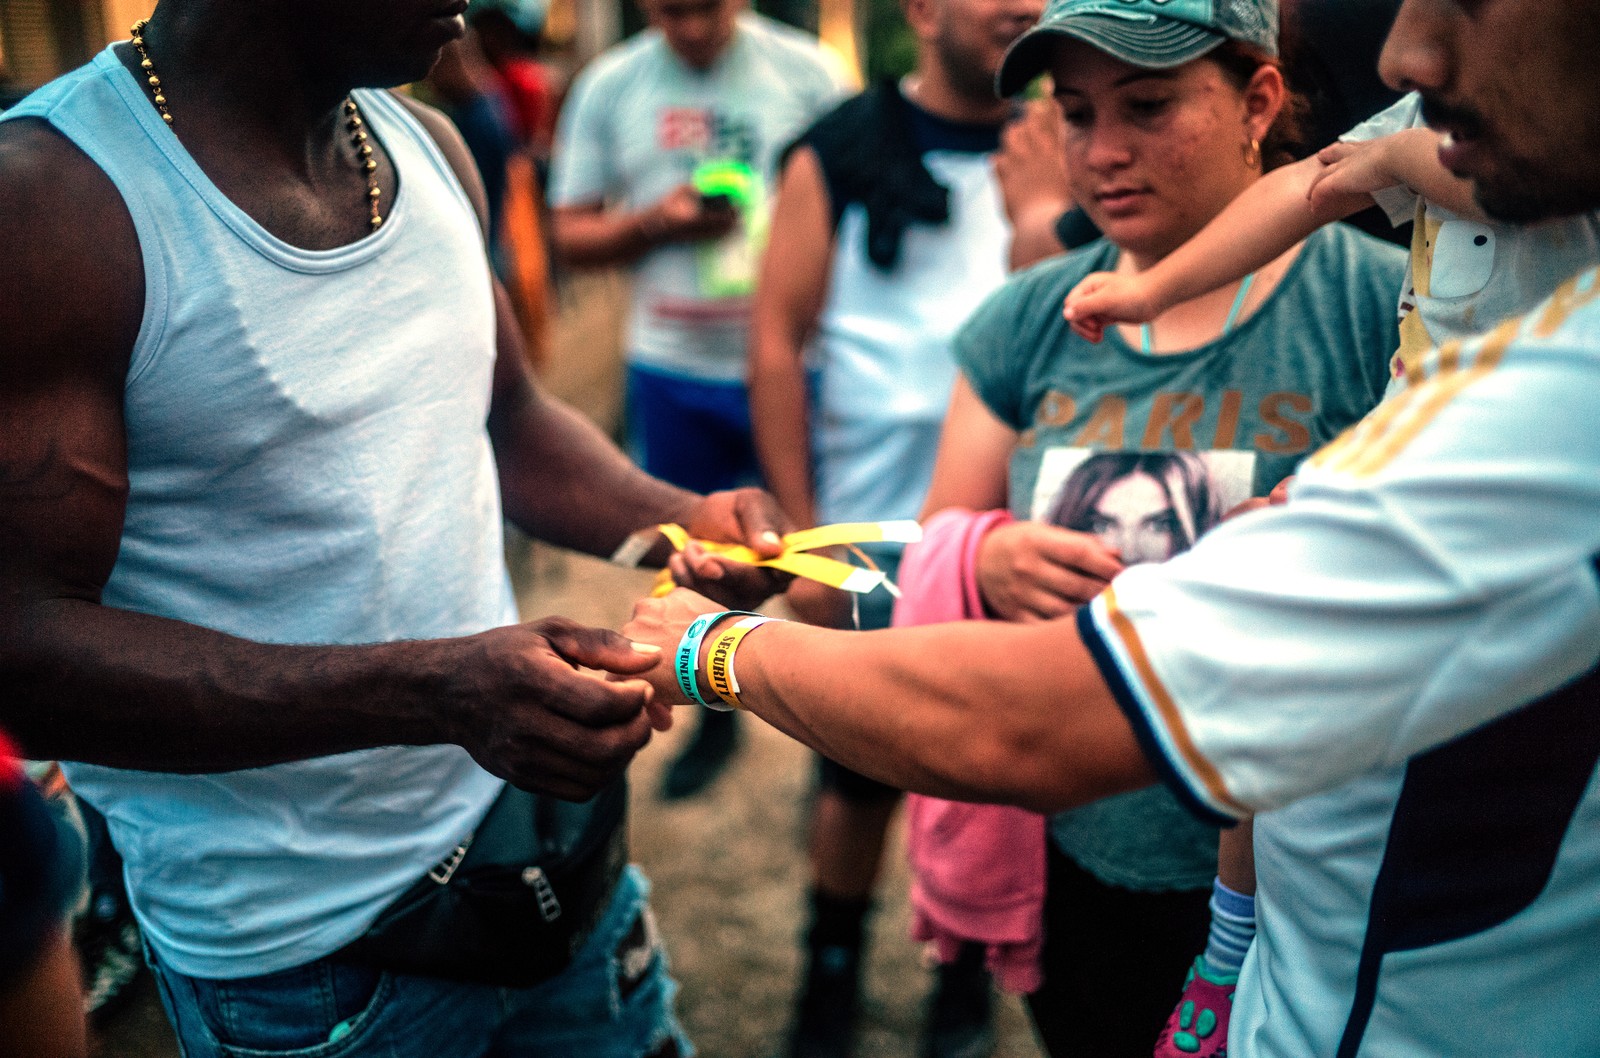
x: 691, y: 432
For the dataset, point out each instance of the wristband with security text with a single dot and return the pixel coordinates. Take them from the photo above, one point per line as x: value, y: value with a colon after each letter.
x: 719, y: 658
x: 684, y: 664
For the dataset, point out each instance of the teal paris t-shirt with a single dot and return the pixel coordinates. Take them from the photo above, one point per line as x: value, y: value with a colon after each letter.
x: 1148, y: 451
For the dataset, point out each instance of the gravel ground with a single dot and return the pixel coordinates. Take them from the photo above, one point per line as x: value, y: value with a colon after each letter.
x: 728, y: 867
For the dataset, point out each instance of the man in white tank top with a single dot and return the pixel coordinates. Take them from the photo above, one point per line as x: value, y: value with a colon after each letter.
x: 265, y: 408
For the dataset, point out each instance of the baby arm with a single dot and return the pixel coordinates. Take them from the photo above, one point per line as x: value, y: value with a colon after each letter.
x: 1257, y: 227
x: 1409, y: 158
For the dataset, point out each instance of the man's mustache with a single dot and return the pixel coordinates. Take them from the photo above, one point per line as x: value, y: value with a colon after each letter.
x: 1462, y: 121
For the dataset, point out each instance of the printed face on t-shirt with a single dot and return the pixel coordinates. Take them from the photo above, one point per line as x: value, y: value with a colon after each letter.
x: 1135, y: 518
x: 1146, y: 506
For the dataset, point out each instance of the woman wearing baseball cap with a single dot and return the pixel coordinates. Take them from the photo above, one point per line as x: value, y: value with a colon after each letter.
x: 1171, y: 108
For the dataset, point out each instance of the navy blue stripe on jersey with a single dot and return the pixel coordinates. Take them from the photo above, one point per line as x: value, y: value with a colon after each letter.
x: 1458, y: 863
x: 1128, y: 701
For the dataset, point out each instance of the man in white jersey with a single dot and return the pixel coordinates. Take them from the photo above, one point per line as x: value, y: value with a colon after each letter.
x: 264, y: 408
x: 665, y: 160
x: 1397, y: 672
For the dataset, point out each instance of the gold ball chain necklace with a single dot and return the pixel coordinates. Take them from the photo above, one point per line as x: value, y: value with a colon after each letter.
x: 352, y: 115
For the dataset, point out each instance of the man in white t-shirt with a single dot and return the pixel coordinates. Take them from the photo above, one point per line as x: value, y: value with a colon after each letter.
x: 664, y: 161
x: 1397, y: 672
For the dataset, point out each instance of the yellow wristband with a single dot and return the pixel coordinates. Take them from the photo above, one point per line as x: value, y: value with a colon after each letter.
x: 719, y: 659
x: 796, y: 557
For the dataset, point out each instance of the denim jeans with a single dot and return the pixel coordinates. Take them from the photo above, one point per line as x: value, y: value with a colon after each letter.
x: 615, y: 1000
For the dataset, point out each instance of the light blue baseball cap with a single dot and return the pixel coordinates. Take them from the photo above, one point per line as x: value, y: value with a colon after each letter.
x: 1154, y: 34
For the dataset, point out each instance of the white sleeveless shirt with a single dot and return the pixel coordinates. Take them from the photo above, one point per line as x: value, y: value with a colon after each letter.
x: 308, y: 463
x: 882, y: 345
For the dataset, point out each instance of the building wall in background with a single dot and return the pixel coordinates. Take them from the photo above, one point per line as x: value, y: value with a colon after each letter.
x: 121, y: 14
x: 42, y: 38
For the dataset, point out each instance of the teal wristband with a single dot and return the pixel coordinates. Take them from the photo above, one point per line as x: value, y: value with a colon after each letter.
x: 689, y: 655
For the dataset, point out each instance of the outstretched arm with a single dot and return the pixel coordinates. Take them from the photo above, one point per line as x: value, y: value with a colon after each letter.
x: 1256, y: 228
x: 999, y: 712
x: 1253, y: 668
x: 1410, y: 158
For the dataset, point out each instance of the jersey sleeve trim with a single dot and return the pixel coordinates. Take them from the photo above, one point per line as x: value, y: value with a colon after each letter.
x: 1114, y: 644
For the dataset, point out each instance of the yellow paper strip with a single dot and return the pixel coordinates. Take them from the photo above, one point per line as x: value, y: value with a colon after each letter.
x: 897, y: 532
x: 795, y: 558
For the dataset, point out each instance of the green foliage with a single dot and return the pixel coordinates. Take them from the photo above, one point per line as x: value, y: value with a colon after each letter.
x: 801, y: 14
x: 891, y: 50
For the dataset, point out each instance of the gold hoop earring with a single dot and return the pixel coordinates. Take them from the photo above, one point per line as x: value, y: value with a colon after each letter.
x: 1252, y: 154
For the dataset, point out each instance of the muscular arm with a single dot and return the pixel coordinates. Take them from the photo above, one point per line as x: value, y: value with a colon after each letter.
x: 592, y: 496
x: 1010, y: 713
x: 561, y: 479
x: 788, y: 303
x: 83, y: 681
x: 63, y: 487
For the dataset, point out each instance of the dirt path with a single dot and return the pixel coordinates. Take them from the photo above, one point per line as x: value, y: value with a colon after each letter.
x: 728, y: 867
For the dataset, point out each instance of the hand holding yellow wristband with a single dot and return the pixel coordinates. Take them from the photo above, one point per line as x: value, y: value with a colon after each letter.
x: 796, y: 557
x: 719, y: 659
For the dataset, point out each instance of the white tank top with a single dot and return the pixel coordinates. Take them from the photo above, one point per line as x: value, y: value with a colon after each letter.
x: 308, y: 463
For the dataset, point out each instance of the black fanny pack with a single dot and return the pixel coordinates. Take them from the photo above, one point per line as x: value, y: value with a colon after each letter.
x: 514, y: 902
